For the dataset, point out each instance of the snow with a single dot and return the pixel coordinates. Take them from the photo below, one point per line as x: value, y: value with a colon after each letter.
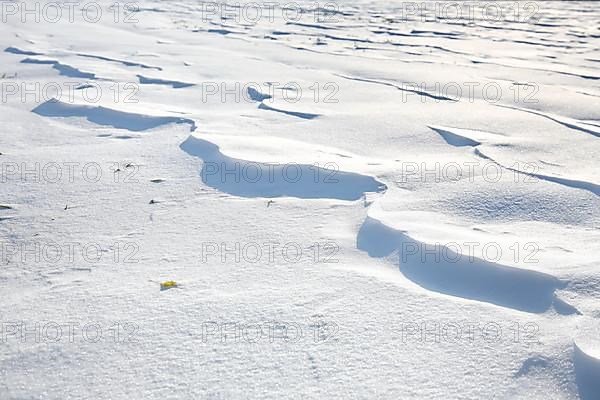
x: 357, y: 203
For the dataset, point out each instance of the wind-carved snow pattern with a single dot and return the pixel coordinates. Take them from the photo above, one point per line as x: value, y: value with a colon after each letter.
x: 404, y: 88
x: 258, y: 96
x: 108, y: 117
x: 433, y: 267
x: 156, y: 81
x: 568, y: 122
x: 123, y: 62
x: 459, y: 138
x: 454, y: 139
x: 15, y: 50
x: 63, y: 69
x: 257, y: 179
x: 297, y: 114
x: 586, y: 359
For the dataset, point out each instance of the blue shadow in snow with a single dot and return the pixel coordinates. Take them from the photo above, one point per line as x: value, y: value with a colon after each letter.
x: 439, y: 269
x: 106, y: 116
x: 587, y: 374
x: 254, y: 179
x: 65, y: 70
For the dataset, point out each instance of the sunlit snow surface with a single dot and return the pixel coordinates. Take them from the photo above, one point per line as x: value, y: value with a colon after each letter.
x: 415, y: 243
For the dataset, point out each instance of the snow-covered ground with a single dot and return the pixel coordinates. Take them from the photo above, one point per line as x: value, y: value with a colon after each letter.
x: 356, y: 200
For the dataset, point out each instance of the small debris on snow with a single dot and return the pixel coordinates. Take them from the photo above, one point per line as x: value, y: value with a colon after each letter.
x: 168, y: 285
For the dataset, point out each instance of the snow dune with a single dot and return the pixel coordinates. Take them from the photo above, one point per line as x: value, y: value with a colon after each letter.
x: 63, y: 69
x: 440, y: 269
x: 246, y: 178
x: 108, y: 117
x: 470, y: 138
